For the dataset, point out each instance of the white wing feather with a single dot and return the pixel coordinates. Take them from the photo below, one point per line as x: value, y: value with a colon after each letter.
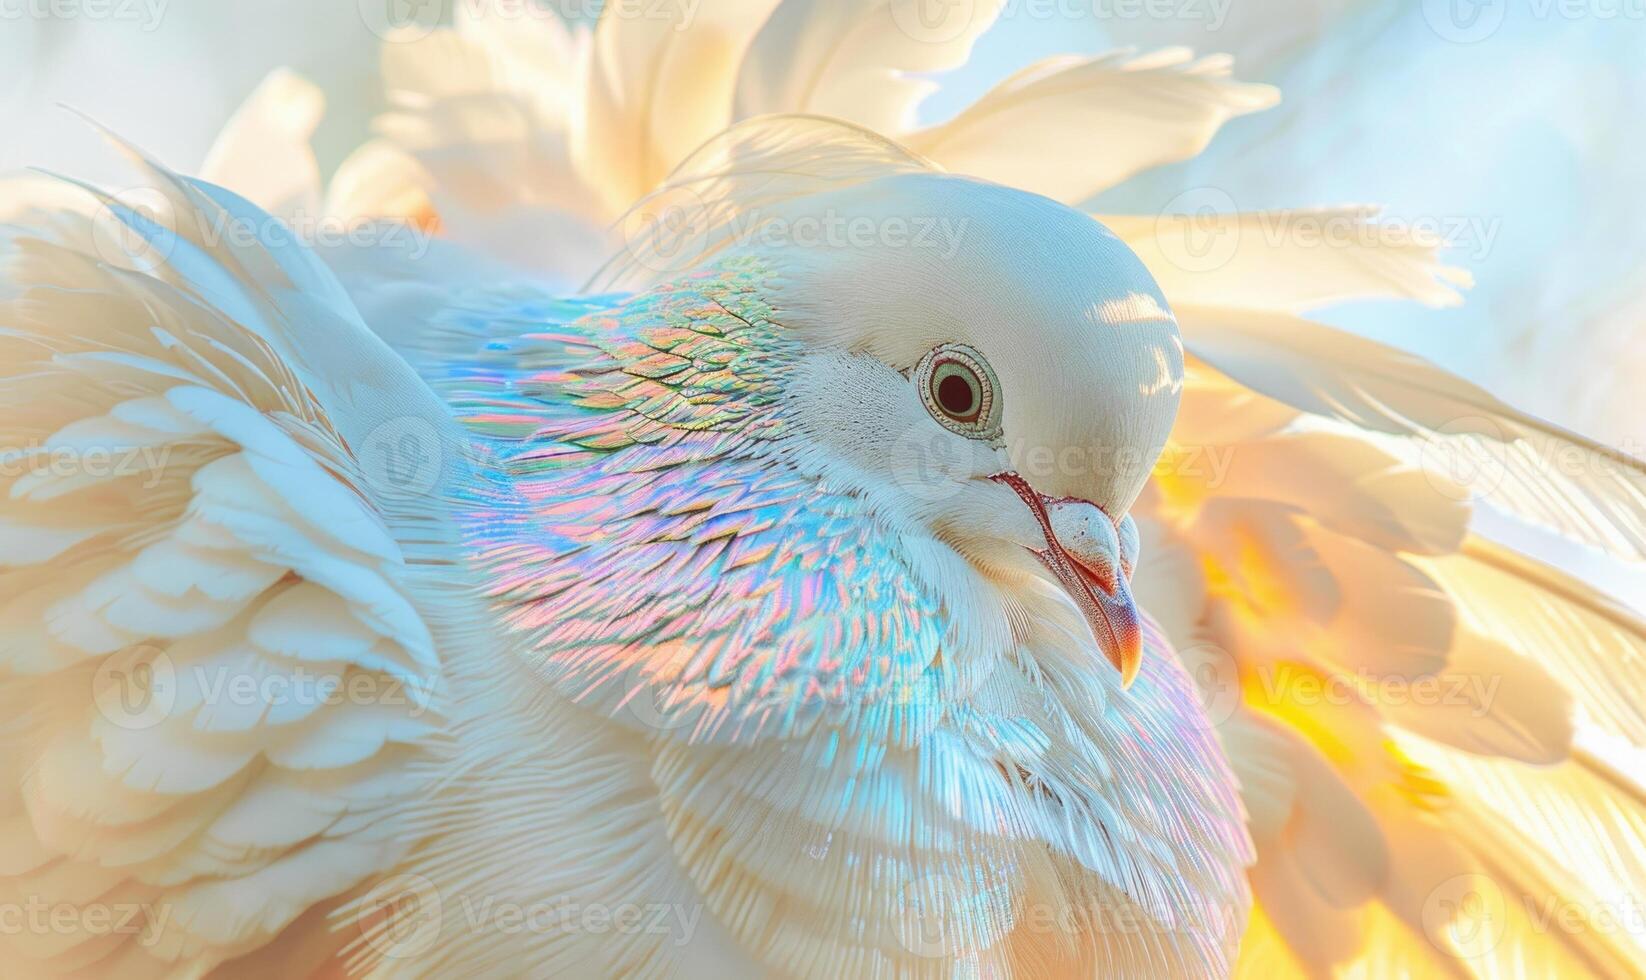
x: 221, y: 669
x: 1071, y: 127
x: 853, y: 59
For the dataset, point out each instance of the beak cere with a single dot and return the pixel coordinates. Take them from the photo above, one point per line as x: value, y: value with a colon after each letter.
x: 1083, y: 554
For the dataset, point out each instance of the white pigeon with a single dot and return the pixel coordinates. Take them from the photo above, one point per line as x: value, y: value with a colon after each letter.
x: 767, y: 610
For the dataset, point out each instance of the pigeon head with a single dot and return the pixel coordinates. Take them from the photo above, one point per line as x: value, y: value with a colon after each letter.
x: 993, y: 364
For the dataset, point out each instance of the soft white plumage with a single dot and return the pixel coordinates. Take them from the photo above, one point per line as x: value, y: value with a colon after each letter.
x: 261, y: 522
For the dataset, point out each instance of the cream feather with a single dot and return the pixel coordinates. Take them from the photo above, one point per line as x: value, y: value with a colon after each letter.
x: 1322, y: 553
x: 1287, y: 261
x: 1071, y: 127
x: 854, y: 59
x: 229, y: 536
x: 1530, y: 467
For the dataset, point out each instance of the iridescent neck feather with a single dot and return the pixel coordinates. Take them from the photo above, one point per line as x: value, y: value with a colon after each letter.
x: 658, y: 536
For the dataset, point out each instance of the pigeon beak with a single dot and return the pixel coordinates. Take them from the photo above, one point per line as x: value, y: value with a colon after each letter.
x: 1082, y: 554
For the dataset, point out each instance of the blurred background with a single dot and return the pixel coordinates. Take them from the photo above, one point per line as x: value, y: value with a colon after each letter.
x: 1514, y: 127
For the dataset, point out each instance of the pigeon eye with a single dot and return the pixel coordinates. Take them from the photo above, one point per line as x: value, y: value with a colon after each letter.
x: 959, y: 390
